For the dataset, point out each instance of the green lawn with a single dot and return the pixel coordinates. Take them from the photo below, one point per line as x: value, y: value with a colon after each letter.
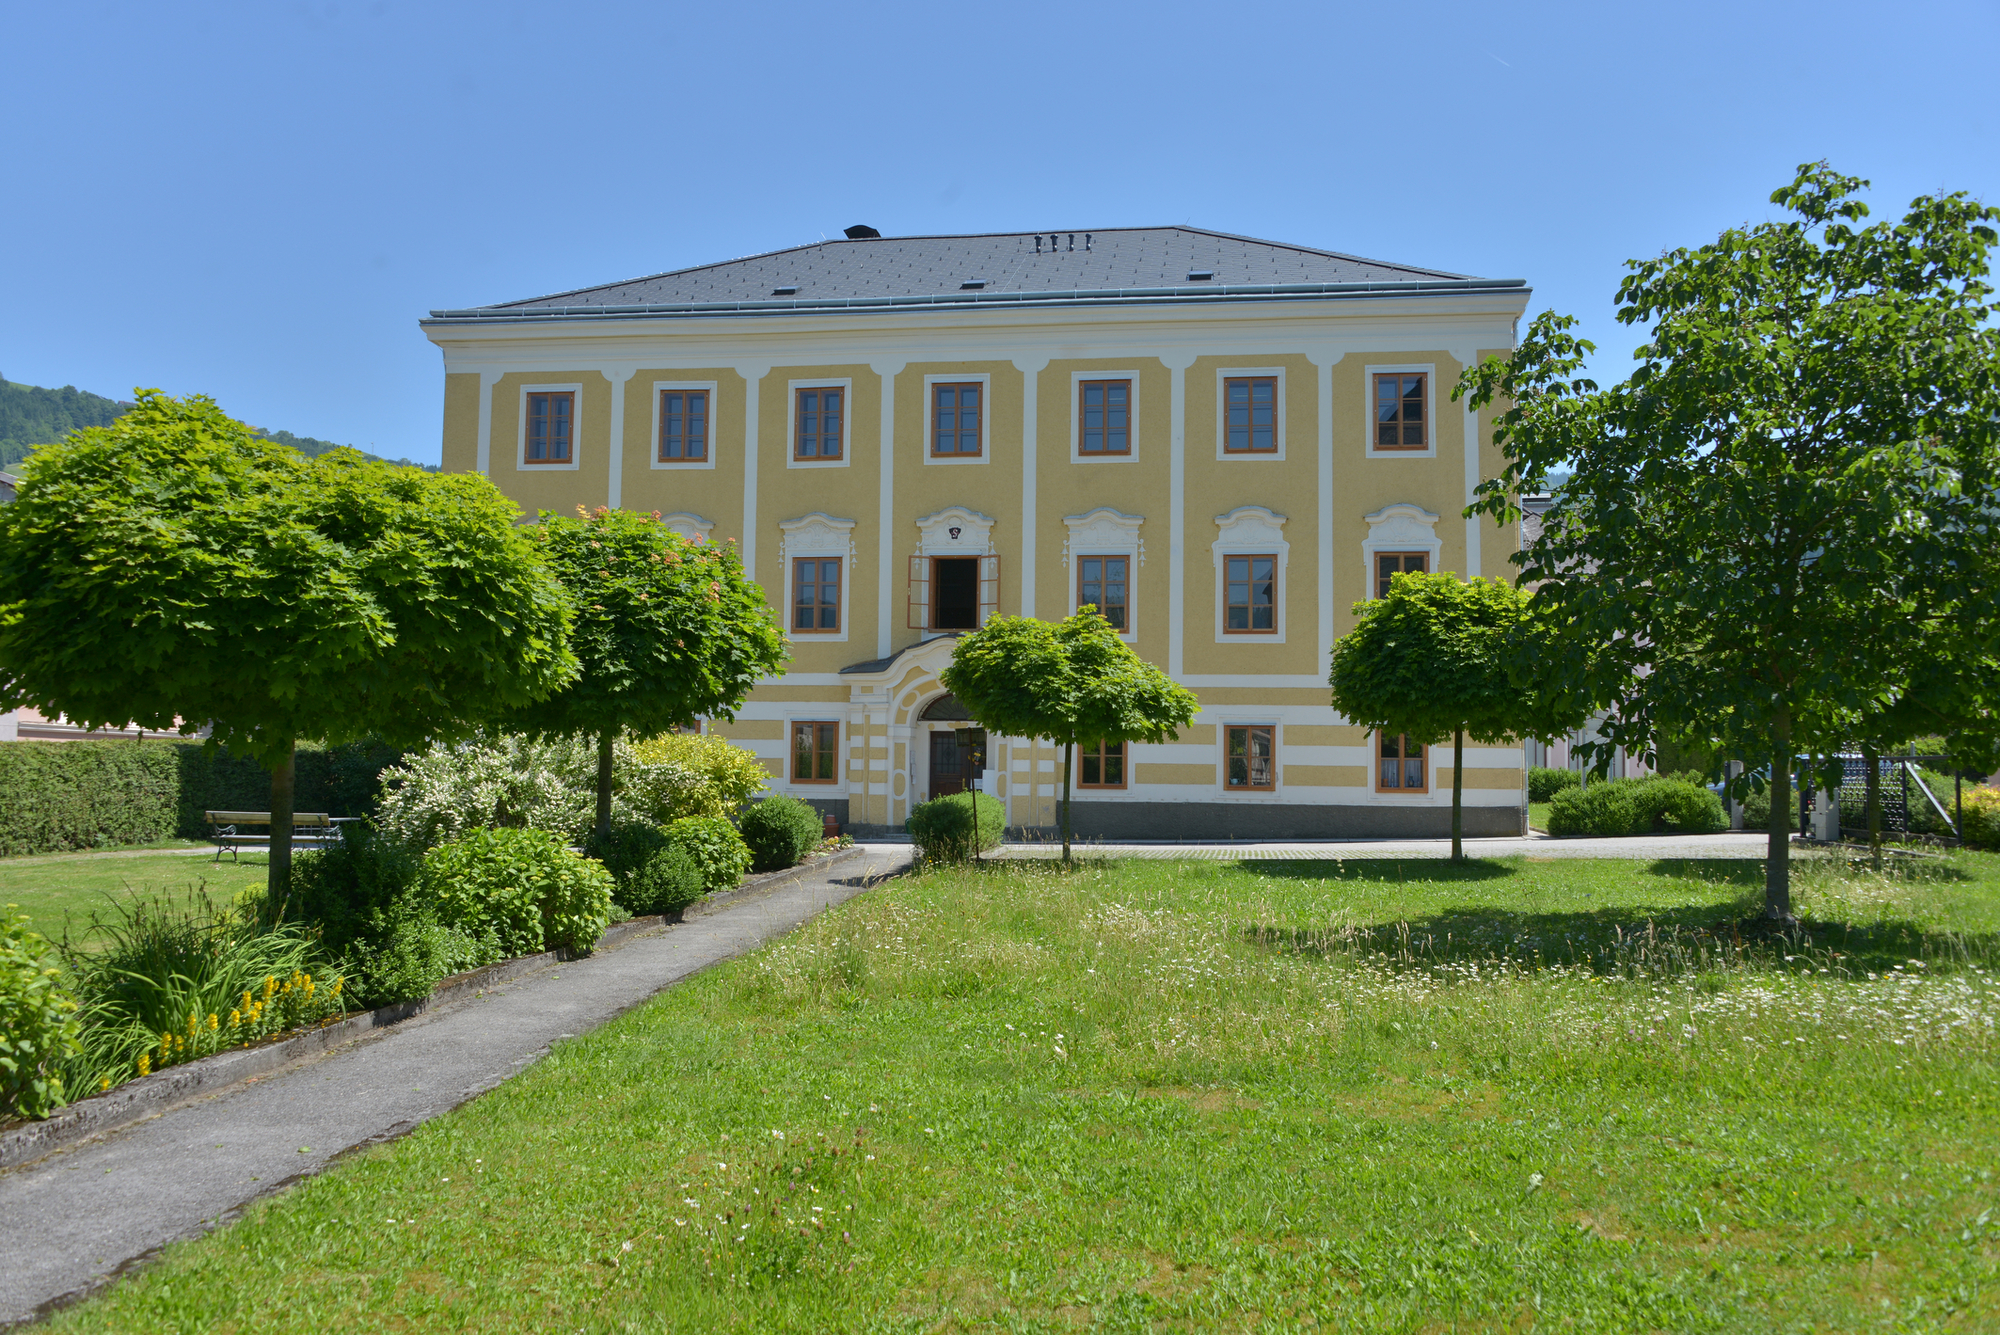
x: 1559, y: 1095
x: 1538, y: 816
x: 63, y: 888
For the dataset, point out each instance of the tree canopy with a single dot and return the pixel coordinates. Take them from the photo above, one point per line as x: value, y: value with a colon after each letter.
x: 1431, y: 660
x: 1066, y: 682
x: 1789, y: 502
x: 173, y: 570
x: 668, y: 630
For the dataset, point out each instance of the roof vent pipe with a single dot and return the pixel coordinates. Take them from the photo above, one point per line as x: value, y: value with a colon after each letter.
x: 860, y: 232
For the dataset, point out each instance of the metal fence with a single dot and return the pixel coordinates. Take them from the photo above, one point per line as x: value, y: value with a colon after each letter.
x: 1908, y: 803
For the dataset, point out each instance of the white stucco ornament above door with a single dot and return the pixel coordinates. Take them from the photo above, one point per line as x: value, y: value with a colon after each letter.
x: 955, y: 531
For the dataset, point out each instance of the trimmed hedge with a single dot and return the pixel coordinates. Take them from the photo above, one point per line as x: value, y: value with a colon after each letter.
x: 1544, y: 783
x: 1636, y: 806
x: 57, y: 797
x: 781, y: 831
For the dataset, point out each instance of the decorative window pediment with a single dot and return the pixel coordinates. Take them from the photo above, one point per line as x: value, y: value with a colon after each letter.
x: 689, y: 525
x: 1402, y: 527
x: 817, y: 534
x: 1104, y: 530
x: 1251, y: 526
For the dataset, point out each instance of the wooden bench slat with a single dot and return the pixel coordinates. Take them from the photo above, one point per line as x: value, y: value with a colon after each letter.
x: 313, y: 818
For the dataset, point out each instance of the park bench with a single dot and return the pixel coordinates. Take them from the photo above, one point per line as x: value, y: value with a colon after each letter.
x: 310, y: 829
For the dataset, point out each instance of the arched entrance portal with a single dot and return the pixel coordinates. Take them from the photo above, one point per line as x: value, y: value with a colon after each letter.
x: 948, y: 769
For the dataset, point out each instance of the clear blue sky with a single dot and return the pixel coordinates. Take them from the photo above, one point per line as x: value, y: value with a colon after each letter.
x: 258, y: 201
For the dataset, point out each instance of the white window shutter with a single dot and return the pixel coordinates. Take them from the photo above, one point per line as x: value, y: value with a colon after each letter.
x: 989, y: 588
x: 920, y: 593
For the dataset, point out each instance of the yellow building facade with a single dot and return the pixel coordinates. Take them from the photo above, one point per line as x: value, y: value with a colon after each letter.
x: 1223, y: 443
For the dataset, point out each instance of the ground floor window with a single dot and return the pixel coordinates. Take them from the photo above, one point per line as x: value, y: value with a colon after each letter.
x: 1101, y: 765
x: 1402, y: 767
x: 815, y: 752
x: 1252, y: 752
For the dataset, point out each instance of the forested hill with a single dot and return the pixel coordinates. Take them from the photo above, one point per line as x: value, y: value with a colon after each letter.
x: 31, y: 416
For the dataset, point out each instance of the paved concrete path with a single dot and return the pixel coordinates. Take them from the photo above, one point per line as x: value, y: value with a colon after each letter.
x: 1733, y: 844
x: 70, y: 1221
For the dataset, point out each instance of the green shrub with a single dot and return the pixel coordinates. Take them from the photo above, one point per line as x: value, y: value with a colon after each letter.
x: 626, y: 847
x: 670, y: 880
x: 1982, y: 817
x: 1544, y: 783
x: 1636, y: 806
x: 525, y: 885
x: 681, y: 774
x: 781, y: 831
x: 942, y: 827
x: 38, y: 1023
x: 716, y: 849
x: 363, y: 896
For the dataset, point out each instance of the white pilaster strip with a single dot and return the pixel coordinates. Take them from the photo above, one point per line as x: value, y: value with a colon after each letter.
x: 1178, y: 364
x: 615, y: 456
x: 1467, y: 358
x: 487, y: 380
x: 753, y: 374
x: 1325, y: 361
x: 885, y: 516
x: 1031, y: 376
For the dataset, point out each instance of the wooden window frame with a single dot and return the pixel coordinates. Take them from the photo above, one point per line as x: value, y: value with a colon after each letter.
x: 1125, y: 608
x: 821, y: 729
x: 688, y: 395
x: 1382, y: 585
x: 1402, y: 747
x: 1422, y: 396
x: 1270, y: 732
x: 528, y: 397
x: 1277, y: 594
x: 984, y: 409
x: 1131, y: 393
x: 1102, y: 752
x: 798, y: 424
x: 1277, y: 384
x: 923, y: 578
x: 839, y: 590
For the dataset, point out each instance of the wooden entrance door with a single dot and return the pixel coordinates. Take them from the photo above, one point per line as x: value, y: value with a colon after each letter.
x: 947, y: 764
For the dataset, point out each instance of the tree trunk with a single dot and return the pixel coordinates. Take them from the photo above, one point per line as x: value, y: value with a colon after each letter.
x: 1069, y: 759
x: 1457, y: 791
x: 1874, y: 778
x: 604, y: 782
x: 278, y: 883
x: 1778, y: 854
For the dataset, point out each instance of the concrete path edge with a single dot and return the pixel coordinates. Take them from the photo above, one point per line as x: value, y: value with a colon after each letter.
x: 162, y: 1090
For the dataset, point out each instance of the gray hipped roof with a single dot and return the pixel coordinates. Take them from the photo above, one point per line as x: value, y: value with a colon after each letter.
x: 1117, y: 263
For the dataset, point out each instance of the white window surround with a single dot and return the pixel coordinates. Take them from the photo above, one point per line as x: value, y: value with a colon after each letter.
x: 1251, y: 530
x: 689, y: 525
x: 653, y: 442
x: 832, y: 713
x: 1107, y: 532
x: 821, y: 535
x: 985, y: 381
x: 1226, y: 374
x: 1401, y: 527
x: 792, y: 388
x: 1076, y: 454
x: 521, y: 463
x: 1368, y: 374
x: 1224, y: 720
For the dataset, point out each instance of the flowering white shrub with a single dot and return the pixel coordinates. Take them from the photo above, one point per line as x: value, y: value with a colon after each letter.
x: 499, y: 782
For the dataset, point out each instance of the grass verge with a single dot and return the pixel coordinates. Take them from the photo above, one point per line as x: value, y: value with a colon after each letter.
x: 65, y: 889
x: 1512, y: 1095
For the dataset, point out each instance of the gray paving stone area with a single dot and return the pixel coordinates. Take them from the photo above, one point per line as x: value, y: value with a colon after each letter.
x: 75, y: 1219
